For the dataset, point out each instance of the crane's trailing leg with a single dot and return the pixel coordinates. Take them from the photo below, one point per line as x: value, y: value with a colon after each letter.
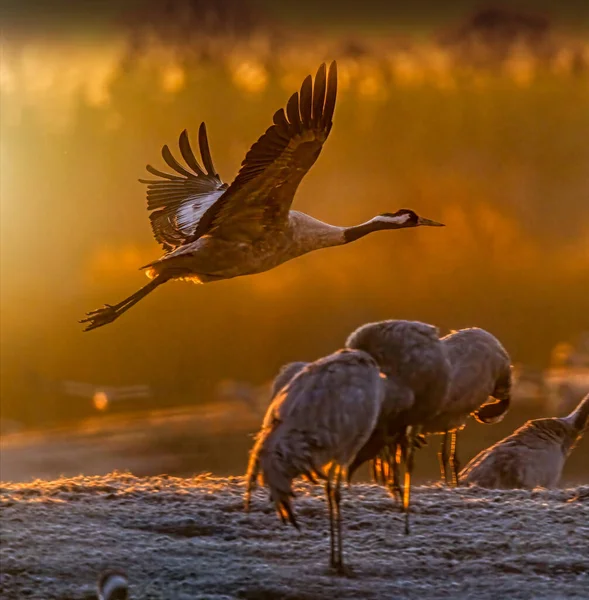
x: 108, y: 313
x: 454, y: 462
x: 444, y: 458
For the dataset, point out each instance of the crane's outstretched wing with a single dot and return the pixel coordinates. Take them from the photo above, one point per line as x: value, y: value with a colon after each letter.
x: 261, y: 195
x: 179, y: 201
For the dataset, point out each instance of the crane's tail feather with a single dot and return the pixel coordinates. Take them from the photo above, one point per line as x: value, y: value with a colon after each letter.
x: 253, y: 468
x: 279, y: 458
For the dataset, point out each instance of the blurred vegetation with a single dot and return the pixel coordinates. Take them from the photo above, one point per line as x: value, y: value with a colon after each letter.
x: 480, y: 122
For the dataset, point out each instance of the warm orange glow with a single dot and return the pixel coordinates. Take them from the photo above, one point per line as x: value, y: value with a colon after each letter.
x: 173, y: 78
x: 112, y: 263
x: 100, y: 401
x: 497, y: 152
x: 561, y: 353
x: 250, y: 76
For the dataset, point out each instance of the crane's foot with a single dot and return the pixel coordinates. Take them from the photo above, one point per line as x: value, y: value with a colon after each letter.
x: 99, y: 317
x: 341, y: 570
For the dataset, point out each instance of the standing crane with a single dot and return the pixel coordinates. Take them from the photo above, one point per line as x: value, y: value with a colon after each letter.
x: 212, y: 231
x: 412, y: 357
x: 480, y: 369
x: 314, y: 427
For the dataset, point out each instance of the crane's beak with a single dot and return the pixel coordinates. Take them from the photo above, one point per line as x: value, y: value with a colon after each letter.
x: 429, y: 222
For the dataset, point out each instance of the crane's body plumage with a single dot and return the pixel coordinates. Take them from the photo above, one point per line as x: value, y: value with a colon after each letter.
x: 212, y: 258
x: 411, y: 354
x: 314, y: 426
x: 212, y: 231
x: 285, y: 374
x: 480, y: 369
x: 532, y: 456
x: 412, y: 357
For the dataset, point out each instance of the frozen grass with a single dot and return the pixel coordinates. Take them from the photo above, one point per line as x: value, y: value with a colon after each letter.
x: 189, y: 538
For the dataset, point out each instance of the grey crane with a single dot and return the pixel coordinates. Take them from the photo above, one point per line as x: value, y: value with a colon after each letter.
x: 314, y: 427
x: 112, y: 585
x: 212, y: 231
x: 395, y: 396
x: 414, y: 360
x: 480, y: 369
x: 532, y: 456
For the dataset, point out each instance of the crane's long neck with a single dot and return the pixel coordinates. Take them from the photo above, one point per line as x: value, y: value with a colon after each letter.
x: 579, y: 418
x: 378, y: 223
x: 311, y: 234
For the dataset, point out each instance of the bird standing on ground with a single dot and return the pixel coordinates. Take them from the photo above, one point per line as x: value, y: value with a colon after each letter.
x: 532, y: 456
x: 480, y: 368
x: 412, y: 357
x: 211, y: 231
x: 314, y: 427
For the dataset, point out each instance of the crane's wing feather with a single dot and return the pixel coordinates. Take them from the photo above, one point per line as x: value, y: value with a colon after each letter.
x: 261, y: 195
x: 179, y: 200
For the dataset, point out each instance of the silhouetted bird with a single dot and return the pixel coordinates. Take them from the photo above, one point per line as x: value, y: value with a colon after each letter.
x: 314, y: 427
x: 480, y: 369
x: 212, y: 231
x: 414, y: 360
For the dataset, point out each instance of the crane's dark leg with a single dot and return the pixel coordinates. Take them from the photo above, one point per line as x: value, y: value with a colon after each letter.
x: 108, y: 313
x: 385, y: 471
x: 444, y: 458
x: 412, y: 432
x: 454, y: 462
x: 329, y: 493
x: 374, y: 470
x: 376, y: 465
x: 401, y: 459
x: 337, y: 496
x: 396, y: 473
x: 385, y: 466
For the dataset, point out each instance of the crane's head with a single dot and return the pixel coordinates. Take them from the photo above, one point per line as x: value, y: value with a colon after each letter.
x: 405, y: 217
x: 398, y: 220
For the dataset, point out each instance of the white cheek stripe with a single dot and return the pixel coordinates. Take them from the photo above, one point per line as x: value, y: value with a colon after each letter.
x: 398, y: 220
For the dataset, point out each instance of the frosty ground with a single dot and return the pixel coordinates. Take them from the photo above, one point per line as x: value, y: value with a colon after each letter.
x: 189, y: 538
